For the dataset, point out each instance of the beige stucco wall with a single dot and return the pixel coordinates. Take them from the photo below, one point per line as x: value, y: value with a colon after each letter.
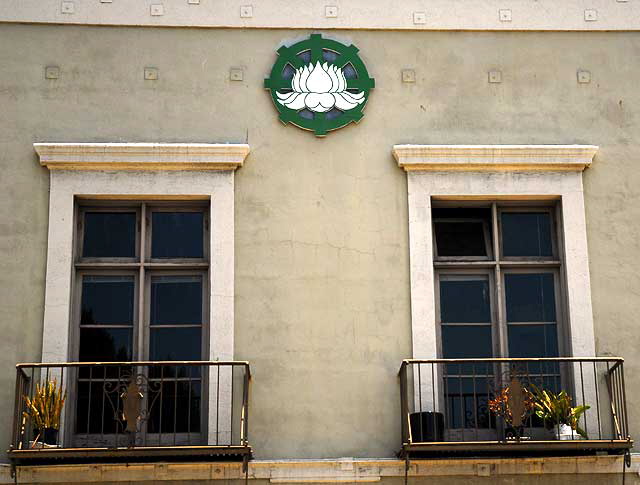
x: 322, y: 271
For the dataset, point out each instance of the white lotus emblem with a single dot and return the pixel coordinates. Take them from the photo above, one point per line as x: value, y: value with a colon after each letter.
x: 320, y: 88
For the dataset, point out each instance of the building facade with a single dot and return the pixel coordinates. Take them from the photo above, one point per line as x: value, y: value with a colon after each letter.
x: 309, y: 207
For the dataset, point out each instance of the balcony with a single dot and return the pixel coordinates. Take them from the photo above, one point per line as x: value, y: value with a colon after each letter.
x: 507, y: 407
x: 118, y: 411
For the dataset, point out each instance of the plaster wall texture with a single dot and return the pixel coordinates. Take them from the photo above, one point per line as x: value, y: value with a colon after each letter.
x: 322, y: 284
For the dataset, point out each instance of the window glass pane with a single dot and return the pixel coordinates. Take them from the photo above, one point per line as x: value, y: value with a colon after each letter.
x: 177, y: 235
x: 464, y: 301
x: 176, y: 343
x: 105, y: 345
x: 107, y: 300
x: 460, y: 239
x: 533, y: 341
x: 461, y: 231
x: 176, y: 300
x: 109, y: 235
x: 530, y: 297
x: 526, y: 234
x: 466, y: 341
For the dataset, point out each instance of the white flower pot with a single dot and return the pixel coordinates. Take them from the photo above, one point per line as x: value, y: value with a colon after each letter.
x: 565, y: 432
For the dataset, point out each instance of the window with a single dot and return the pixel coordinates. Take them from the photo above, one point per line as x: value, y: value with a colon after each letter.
x: 82, y: 172
x: 141, y: 285
x: 505, y: 305
x: 502, y: 306
x: 504, y: 226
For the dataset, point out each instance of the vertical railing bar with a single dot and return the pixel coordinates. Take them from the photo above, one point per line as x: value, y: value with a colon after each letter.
x: 624, y: 403
x: 528, y: 374
x: 433, y: 397
x: 161, y: 404
x: 146, y: 370
x: 569, y: 373
x: 30, y: 425
x: 104, y: 383
x: 231, y: 426
x: 612, y: 404
x: 475, y: 402
x: 62, y: 393
x: 189, y: 405
x: 614, y: 397
x: 543, y: 369
x: 586, y: 422
x: 17, y: 414
x: 404, y: 411
x: 247, y: 381
x: 218, y: 405
x: 26, y: 389
x: 620, y: 406
x: 621, y: 403
x: 46, y: 381
x: 89, y: 405
x: 616, y: 393
x: 595, y: 378
x: 175, y: 406
x: 419, y: 403
x: 117, y: 419
x: 445, y: 377
x: 462, y: 404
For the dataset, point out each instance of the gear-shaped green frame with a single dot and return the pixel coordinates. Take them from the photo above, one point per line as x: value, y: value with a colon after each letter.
x: 347, y: 54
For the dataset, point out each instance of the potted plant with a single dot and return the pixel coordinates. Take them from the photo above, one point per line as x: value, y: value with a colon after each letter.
x: 513, y: 404
x: 44, y: 409
x: 556, y: 412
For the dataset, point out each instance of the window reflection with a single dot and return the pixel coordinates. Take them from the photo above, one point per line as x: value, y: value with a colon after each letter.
x: 109, y: 235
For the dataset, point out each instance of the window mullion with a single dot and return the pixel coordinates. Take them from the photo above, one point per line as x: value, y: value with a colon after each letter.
x: 501, y: 328
x: 142, y: 355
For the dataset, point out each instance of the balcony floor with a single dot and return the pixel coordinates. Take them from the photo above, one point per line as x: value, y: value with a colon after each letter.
x: 123, y: 454
x: 513, y: 448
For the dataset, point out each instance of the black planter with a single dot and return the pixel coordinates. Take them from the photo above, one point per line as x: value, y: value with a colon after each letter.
x: 426, y: 426
x: 48, y: 436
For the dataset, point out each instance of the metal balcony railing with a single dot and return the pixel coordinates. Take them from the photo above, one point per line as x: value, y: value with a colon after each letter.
x: 498, y: 406
x: 125, y: 409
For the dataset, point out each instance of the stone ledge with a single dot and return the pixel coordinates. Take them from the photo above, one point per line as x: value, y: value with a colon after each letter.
x: 493, y: 158
x: 319, y: 471
x: 141, y: 156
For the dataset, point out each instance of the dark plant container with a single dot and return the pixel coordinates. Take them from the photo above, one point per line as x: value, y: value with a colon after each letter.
x: 48, y: 436
x: 426, y: 426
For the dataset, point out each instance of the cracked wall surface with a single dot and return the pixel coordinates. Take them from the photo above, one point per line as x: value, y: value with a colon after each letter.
x: 321, y: 228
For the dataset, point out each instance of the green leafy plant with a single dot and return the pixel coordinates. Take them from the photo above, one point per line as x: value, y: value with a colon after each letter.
x: 556, y: 409
x: 45, y: 406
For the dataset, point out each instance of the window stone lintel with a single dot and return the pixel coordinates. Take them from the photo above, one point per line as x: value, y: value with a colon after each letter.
x: 494, y: 158
x: 141, y: 156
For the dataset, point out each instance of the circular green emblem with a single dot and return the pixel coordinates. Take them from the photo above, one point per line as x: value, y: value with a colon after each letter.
x: 319, y: 84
